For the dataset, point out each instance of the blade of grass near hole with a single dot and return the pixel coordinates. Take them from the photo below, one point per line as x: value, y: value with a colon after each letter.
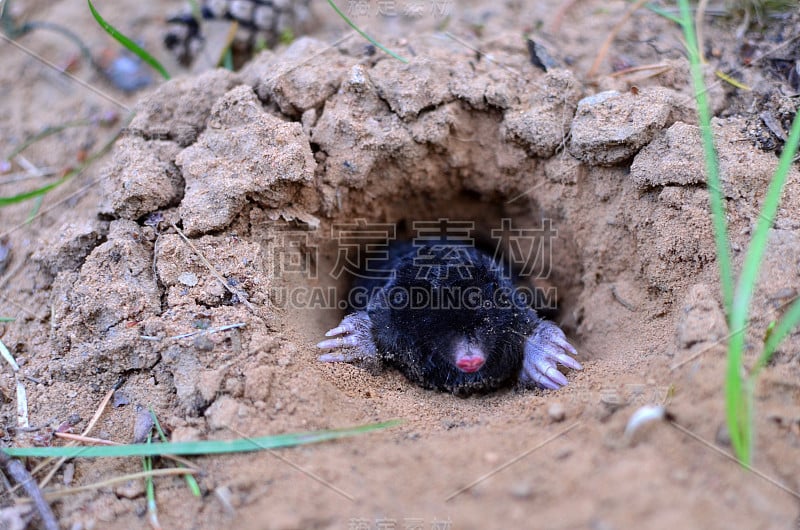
x: 740, y: 414
x: 712, y: 164
x: 738, y: 399
x: 733, y: 383
x: 5, y: 201
x: 198, y: 448
x: 128, y: 43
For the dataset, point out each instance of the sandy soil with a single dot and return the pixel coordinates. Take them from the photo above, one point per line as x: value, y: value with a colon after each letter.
x: 262, y: 168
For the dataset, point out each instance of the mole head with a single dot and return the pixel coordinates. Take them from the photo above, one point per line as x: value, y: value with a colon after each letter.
x: 480, y: 350
x: 448, y: 324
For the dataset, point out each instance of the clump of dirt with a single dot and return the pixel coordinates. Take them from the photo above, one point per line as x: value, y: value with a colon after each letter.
x: 263, y: 169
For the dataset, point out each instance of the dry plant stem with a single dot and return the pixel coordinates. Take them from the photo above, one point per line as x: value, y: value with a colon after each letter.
x: 228, y: 42
x: 733, y: 458
x: 57, y: 494
x: 601, y: 55
x: 659, y: 67
x: 304, y: 471
x: 86, y: 431
x: 17, y: 471
x: 13, y: 272
x: 78, y: 80
x: 84, y: 439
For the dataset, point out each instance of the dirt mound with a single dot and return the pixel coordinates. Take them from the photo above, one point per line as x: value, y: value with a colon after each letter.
x: 265, y: 171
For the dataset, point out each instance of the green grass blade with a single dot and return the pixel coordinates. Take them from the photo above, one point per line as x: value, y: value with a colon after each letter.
x: 738, y: 396
x: 712, y: 164
x: 191, y: 482
x: 44, y: 133
x: 750, y: 271
x: 128, y: 43
x: 37, y: 205
x: 792, y: 317
x: 360, y: 32
x: 150, y: 488
x: 196, y: 448
x: 785, y: 326
x: 664, y: 13
x: 6, y: 201
x: 226, y: 61
x: 736, y: 415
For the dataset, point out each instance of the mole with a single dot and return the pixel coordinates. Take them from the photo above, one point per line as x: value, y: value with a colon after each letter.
x: 449, y: 318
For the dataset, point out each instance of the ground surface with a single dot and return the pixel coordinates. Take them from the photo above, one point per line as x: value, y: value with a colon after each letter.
x: 261, y: 168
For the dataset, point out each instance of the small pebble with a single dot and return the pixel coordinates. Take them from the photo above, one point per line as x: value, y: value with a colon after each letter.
x: 203, y: 343
x: 189, y: 279
x: 131, y: 489
x: 69, y: 473
x: 120, y: 399
x: 643, y: 416
x: 522, y: 490
x: 556, y: 411
x: 143, y: 425
x: 128, y: 74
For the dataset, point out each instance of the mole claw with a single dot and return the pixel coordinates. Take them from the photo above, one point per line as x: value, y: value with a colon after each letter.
x: 556, y: 376
x: 562, y: 342
x: 349, y: 341
x: 543, y: 381
x: 544, y: 350
x: 568, y: 361
x: 338, y: 330
x: 351, y: 335
x: 331, y: 343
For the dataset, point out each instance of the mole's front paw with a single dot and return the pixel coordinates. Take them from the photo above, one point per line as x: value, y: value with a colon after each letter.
x: 352, y: 339
x: 543, y: 351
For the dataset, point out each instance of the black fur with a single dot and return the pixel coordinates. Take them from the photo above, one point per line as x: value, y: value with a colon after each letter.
x: 469, y: 297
